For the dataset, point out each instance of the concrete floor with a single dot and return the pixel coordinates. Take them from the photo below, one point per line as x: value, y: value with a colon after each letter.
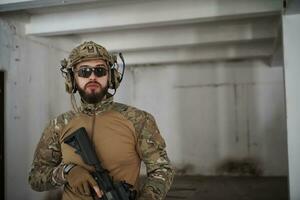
x: 228, y: 188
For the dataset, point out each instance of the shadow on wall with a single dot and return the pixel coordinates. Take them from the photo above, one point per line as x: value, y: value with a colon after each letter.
x: 185, y: 169
x: 239, y: 167
x: 229, y: 167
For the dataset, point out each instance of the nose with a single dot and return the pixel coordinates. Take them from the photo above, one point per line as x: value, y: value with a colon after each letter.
x: 92, y: 76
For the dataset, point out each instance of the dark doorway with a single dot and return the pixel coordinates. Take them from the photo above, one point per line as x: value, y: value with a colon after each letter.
x: 2, y: 134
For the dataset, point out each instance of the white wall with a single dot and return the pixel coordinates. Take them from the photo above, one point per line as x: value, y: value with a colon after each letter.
x: 33, y: 87
x: 291, y: 30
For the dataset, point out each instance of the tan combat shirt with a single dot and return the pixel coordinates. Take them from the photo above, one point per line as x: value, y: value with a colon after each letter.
x: 123, y: 136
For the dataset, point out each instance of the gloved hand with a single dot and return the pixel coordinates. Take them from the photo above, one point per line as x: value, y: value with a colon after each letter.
x: 81, y: 180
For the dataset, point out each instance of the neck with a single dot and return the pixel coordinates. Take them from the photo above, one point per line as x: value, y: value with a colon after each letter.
x: 94, y: 108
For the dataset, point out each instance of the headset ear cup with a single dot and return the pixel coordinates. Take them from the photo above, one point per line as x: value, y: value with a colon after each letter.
x: 115, y: 79
x: 70, y: 83
x: 68, y: 86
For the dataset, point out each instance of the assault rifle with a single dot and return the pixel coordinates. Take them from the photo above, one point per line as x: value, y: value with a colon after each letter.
x: 112, y: 190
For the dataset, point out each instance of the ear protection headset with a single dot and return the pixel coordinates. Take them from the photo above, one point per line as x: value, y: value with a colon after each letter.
x: 86, y: 51
x: 116, y: 77
x: 68, y: 74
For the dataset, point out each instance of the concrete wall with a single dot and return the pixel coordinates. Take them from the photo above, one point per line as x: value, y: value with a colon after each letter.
x: 207, y: 112
x: 33, y: 86
x: 291, y: 29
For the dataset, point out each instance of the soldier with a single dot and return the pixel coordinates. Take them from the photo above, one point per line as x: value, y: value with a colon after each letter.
x: 122, y: 136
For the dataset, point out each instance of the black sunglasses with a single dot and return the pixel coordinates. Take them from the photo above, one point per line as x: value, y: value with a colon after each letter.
x: 86, y: 71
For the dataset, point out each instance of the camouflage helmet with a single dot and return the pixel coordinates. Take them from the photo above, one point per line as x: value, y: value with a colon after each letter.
x: 88, y: 51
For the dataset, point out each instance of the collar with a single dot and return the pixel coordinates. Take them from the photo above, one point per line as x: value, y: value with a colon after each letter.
x: 95, y: 109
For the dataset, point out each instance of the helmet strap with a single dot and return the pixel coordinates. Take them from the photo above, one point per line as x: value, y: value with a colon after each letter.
x: 74, y: 87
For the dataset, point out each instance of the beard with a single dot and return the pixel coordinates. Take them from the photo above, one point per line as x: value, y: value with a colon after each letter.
x: 93, y: 97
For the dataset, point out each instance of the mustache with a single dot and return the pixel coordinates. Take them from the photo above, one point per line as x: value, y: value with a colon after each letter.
x: 92, y: 82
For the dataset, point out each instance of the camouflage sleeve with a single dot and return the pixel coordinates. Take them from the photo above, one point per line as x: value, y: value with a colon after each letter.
x: 46, y: 172
x: 160, y: 173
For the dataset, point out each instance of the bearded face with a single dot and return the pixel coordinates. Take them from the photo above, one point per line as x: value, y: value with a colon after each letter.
x: 91, y: 79
x: 90, y: 92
